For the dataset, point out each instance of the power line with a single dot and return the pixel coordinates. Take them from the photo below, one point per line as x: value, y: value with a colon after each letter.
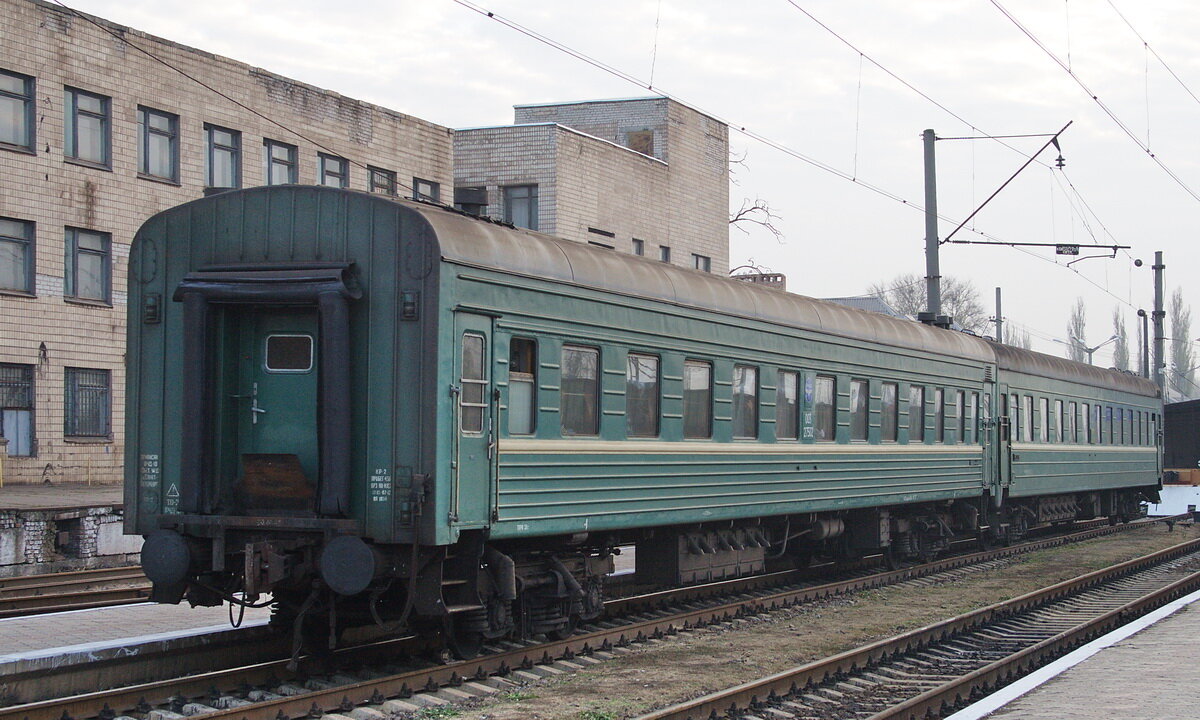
x: 124, y: 39
x: 1107, y: 111
x: 753, y: 135
x: 1154, y: 52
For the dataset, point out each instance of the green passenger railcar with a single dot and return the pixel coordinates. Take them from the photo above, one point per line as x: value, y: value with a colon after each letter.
x: 377, y: 409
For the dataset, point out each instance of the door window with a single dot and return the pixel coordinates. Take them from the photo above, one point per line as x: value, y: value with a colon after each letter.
x: 289, y: 353
x: 472, y: 401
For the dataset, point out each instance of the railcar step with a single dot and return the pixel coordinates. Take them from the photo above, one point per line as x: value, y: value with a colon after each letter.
x: 462, y: 608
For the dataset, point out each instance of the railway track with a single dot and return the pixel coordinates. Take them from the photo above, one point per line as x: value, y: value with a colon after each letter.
x: 368, y: 675
x: 76, y: 590
x: 926, y: 672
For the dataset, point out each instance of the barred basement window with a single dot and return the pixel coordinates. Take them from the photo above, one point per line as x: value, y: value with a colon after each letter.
x: 87, y: 407
x: 382, y: 181
x: 16, y: 408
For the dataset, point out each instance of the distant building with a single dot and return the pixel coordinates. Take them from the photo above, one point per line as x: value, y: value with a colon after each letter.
x: 647, y: 176
x: 96, y: 136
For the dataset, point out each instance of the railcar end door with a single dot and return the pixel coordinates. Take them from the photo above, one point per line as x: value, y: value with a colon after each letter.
x: 474, y: 421
x: 276, y: 409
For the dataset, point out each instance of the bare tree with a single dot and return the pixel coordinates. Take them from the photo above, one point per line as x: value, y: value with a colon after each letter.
x: 1077, y: 332
x: 756, y: 213
x: 1121, y: 344
x: 960, y: 300
x: 1182, y: 379
x: 1017, y: 338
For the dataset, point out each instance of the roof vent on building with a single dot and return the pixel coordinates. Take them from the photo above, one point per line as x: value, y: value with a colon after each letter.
x: 471, y: 200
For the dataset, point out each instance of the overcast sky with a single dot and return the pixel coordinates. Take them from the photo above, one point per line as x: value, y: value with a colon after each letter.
x: 767, y: 67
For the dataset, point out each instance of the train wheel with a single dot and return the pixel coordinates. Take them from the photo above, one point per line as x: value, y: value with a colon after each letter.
x: 890, y: 559
x: 463, y: 644
x: 566, y: 631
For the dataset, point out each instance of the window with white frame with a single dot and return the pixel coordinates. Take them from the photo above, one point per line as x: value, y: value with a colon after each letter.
x: 16, y: 255
x: 87, y: 129
x: 158, y: 144
x: 224, y: 157
x: 280, y: 163
x: 16, y: 408
x: 333, y: 171
x: 521, y: 206
x: 88, y: 273
x: 16, y: 111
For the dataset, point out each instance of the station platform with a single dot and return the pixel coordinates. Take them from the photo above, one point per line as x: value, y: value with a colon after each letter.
x: 60, y: 497
x: 1147, y: 670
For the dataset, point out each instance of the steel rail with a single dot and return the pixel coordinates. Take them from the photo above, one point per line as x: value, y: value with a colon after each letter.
x: 74, y: 590
x: 757, y: 693
x: 126, y: 699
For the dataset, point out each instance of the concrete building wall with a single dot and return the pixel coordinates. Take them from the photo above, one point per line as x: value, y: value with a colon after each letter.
x: 48, y: 332
x: 695, y: 147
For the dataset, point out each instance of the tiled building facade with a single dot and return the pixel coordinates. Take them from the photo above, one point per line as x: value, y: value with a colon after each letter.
x: 96, y: 136
x: 646, y: 175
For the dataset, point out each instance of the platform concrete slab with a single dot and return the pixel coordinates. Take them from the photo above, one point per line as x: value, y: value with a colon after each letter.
x: 60, y: 496
x: 1151, y: 675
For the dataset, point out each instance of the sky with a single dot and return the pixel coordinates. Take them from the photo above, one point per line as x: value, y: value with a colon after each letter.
x: 784, y: 70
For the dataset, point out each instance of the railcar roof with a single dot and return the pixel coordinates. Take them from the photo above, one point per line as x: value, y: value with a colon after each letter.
x: 1050, y: 366
x: 468, y: 241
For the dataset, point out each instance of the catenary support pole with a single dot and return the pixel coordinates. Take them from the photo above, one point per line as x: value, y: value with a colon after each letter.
x: 999, y: 319
x: 933, y: 277
x: 1159, y: 314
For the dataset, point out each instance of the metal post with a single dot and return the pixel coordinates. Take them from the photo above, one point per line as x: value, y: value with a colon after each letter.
x: 999, y: 319
x: 1159, y: 314
x: 933, y: 275
x: 1145, y: 342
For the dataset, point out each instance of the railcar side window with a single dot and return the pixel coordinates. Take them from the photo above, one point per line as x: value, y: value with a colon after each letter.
x: 1108, y: 424
x: 1069, y: 423
x: 939, y: 415
x: 745, y: 401
x: 1097, y: 425
x: 641, y: 395
x: 823, y: 409
x: 973, y: 419
x: 1058, y: 421
x: 889, y: 413
x: 960, y: 416
x: 1044, y: 419
x: 859, y: 409
x: 580, y: 393
x: 1014, y: 414
x: 522, y: 386
x: 916, y: 413
x: 472, y: 399
x: 1027, y: 419
x: 787, y: 407
x: 697, y: 399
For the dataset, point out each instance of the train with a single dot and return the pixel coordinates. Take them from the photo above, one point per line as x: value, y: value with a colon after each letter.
x: 365, y: 410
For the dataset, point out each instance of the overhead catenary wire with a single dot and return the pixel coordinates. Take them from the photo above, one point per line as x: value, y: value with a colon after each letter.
x: 1096, y: 98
